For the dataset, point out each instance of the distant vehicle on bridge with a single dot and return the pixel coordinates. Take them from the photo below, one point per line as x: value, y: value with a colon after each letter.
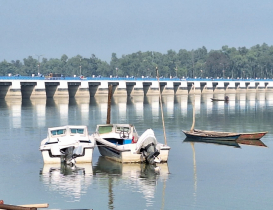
x: 54, y: 75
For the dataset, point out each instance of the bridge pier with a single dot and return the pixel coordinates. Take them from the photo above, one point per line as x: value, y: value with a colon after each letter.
x: 83, y: 90
x: 120, y: 89
x: 197, y: 89
x: 208, y: 88
x: 39, y: 91
x: 261, y: 87
x: 102, y: 89
x: 183, y: 88
x: 241, y: 87
x: 4, y: 87
x: 168, y: 89
x: 220, y: 87
x: 14, y: 90
x: 138, y: 89
x: 231, y: 87
x: 153, y: 89
x: 62, y: 90
x: 269, y: 87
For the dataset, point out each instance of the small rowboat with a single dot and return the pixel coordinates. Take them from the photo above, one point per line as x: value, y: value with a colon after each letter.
x: 217, y: 99
x: 226, y: 99
x: 205, y: 134
x: 211, y: 135
x: 252, y: 136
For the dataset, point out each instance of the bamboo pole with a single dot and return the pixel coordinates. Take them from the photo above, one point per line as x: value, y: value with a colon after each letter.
x: 160, y: 100
x: 12, y: 207
x: 193, y: 109
x: 38, y: 205
x: 110, y: 87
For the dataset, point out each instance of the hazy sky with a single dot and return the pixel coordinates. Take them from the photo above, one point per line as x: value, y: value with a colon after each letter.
x: 102, y: 27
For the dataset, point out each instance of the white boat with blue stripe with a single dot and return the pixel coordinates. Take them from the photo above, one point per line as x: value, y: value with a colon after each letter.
x: 120, y: 142
x: 67, y: 144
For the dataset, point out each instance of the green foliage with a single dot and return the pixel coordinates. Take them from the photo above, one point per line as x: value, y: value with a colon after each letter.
x: 226, y: 62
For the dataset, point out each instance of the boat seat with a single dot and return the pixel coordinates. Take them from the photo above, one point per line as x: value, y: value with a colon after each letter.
x: 119, y: 141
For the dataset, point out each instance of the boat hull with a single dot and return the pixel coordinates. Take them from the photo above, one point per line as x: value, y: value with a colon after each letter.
x: 48, y: 158
x: 251, y: 136
x: 127, y: 155
x: 208, y: 135
x: 119, y: 156
x: 216, y: 99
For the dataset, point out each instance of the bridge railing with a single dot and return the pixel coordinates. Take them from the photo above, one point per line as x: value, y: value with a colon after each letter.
x: 130, y: 78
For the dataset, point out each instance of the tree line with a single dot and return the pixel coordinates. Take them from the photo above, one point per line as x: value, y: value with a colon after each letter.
x: 255, y: 62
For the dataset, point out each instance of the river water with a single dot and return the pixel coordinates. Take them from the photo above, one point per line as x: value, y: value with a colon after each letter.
x: 197, y: 175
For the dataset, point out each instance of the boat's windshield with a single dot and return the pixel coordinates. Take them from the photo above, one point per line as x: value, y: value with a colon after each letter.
x: 58, y: 132
x: 77, y: 130
x: 105, y: 129
x: 120, y: 128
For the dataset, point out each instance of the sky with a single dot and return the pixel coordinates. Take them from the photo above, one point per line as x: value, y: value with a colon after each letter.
x: 51, y: 28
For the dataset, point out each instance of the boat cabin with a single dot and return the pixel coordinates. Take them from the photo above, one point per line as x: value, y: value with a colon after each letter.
x: 118, y: 134
x: 57, y: 133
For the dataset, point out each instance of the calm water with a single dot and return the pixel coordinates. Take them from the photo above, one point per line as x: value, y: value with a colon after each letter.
x: 197, y: 176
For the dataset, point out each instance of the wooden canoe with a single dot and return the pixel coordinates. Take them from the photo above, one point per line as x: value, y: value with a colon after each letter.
x: 252, y: 136
x: 216, y: 99
x: 211, y: 135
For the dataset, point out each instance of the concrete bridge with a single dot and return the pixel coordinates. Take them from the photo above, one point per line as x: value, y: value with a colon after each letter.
x: 60, y: 87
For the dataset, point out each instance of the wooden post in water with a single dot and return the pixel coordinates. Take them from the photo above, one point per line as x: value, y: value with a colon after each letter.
x: 193, y: 109
x: 160, y: 101
x: 110, y: 87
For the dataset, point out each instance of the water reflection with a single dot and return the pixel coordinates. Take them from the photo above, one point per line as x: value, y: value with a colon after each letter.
x: 258, y: 143
x: 40, y: 110
x: 82, y: 110
x: 70, y: 181
x: 196, y: 99
x: 121, y: 103
x: 154, y: 103
x: 15, y: 107
x: 234, y: 144
x: 169, y: 101
x: 141, y: 178
x: 83, y: 106
x: 216, y: 142
x: 101, y: 102
x: 183, y: 100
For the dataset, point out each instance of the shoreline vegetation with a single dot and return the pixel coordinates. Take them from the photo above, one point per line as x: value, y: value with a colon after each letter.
x: 255, y: 62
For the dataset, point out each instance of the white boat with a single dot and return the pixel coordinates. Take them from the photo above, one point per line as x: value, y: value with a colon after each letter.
x: 120, y: 142
x: 68, y: 144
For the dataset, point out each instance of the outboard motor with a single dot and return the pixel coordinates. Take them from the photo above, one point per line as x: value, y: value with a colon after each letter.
x: 68, y: 155
x: 150, y: 153
x: 147, y: 145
